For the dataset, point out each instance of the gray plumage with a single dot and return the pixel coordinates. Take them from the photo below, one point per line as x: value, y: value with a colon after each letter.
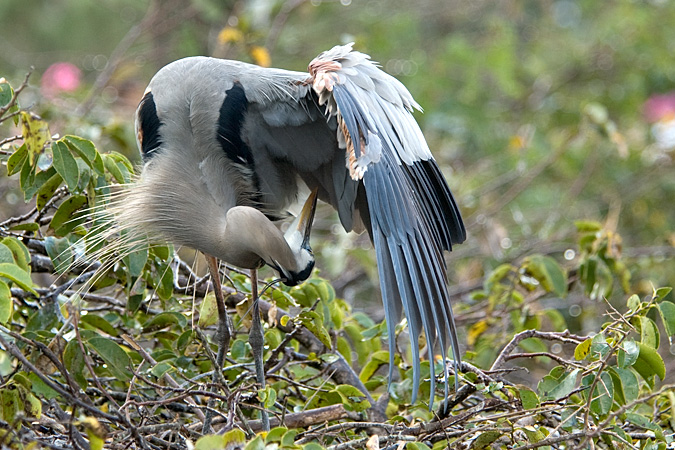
x: 225, y: 143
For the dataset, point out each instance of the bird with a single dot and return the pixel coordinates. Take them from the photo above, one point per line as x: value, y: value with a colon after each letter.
x: 226, y: 146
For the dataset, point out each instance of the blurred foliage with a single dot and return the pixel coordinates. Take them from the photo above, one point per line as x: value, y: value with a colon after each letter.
x: 538, y: 114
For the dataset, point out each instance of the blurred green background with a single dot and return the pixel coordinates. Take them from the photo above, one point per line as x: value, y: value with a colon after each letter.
x: 541, y: 113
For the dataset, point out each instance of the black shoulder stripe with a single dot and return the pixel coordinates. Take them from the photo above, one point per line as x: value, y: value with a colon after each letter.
x: 148, y: 131
x: 230, y: 121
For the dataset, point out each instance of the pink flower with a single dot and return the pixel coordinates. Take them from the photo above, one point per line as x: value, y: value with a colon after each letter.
x: 60, y: 77
x: 660, y: 107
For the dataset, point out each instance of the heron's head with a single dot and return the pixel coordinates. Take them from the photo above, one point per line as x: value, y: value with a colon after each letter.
x: 297, y: 238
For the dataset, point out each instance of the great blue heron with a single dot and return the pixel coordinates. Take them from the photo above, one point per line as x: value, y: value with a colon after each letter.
x: 225, y: 144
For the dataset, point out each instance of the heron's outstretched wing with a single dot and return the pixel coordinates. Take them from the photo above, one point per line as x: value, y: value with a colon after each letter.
x: 347, y: 128
x: 413, y: 215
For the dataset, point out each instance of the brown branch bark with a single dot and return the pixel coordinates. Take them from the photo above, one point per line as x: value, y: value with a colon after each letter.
x: 307, y: 418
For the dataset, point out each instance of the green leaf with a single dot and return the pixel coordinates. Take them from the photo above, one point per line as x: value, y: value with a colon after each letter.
x: 234, y: 438
x: 163, y: 282
x: 83, y: 147
x: 18, y: 276
x: 6, y: 255
x: 160, y: 369
x: 275, y: 434
x: 628, y: 353
x: 268, y: 396
x: 528, y: 398
x: 554, y: 388
x: 208, y: 313
x: 486, y: 438
x: 667, y: 312
x: 95, y: 433
x: 288, y: 439
x: 534, y: 434
x: 599, y: 346
x: 210, y: 442
x: 642, y: 421
x: 352, y: 398
x: 136, y: 259
x: 603, y: 393
x: 29, y: 226
x: 305, y: 294
x: 116, y: 359
x: 633, y: 302
x: 163, y: 252
x: 19, y: 251
x: 17, y: 160
x: 314, y: 323
x: 6, y: 93
x: 46, y: 191
x: 360, y: 345
x: 73, y: 360
x: 123, y: 160
x: 27, y: 178
x: 324, y: 289
x: 312, y: 446
x: 35, y: 133
x: 649, y: 333
x: 60, y: 252
x: 40, y: 388
x: 649, y: 363
x: 660, y: 293
x: 163, y: 320
x: 112, y: 167
x: 548, y: 272
x: 375, y: 362
x: 626, y: 385
x: 6, y: 305
x: 183, y: 340
x: 257, y: 443
x: 621, y: 436
x: 582, y: 350
x: 602, y: 287
x: 568, y: 418
x: 98, y: 322
x: 587, y: 226
x: 497, y: 275
x: 32, y: 405
x: 45, y: 318
x: 345, y: 350
x: 34, y: 181
x: 417, y: 446
x: 63, y: 221
x: 65, y: 164
x: 10, y: 403
x: 557, y: 320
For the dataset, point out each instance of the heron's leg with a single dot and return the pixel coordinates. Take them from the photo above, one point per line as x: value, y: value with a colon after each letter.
x: 257, y: 340
x: 224, y: 335
x: 224, y: 332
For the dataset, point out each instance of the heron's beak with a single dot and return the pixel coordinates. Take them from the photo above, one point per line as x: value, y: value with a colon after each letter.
x: 306, y: 218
